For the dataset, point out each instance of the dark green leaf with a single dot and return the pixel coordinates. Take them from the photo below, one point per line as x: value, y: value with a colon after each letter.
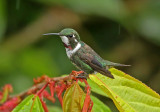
x: 99, y: 106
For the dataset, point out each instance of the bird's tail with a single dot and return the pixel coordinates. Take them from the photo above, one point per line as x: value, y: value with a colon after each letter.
x: 109, y: 63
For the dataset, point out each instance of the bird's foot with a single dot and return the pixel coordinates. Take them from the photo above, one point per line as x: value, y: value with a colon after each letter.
x: 79, y: 74
x: 82, y: 76
x: 75, y: 73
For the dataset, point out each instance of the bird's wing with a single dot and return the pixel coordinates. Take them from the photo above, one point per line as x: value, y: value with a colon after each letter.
x: 89, y: 58
x: 93, y: 63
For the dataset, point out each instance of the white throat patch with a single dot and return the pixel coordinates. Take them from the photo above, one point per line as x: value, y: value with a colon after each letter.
x: 71, y: 52
x: 65, y: 40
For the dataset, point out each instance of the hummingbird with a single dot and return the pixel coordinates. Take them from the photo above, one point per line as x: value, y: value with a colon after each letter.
x: 83, y: 56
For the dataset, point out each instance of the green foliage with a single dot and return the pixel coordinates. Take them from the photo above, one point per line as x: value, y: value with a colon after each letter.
x: 99, y: 106
x: 128, y: 94
x: 30, y: 104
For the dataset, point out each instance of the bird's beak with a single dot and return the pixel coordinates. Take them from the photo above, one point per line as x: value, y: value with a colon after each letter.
x: 52, y: 34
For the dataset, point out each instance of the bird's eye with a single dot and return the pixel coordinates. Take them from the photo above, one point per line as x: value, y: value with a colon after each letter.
x: 70, y: 36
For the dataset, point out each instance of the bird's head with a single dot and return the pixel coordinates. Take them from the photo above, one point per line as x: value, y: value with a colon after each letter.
x: 70, y: 37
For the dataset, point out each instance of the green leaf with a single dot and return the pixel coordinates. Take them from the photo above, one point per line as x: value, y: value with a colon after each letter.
x: 73, y: 99
x: 30, y: 104
x: 99, y: 106
x: 128, y: 94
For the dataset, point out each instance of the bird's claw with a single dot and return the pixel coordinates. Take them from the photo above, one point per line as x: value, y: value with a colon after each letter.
x: 81, y: 77
x: 79, y: 74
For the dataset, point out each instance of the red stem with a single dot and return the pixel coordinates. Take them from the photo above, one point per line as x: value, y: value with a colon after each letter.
x: 86, y: 106
x: 42, y: 89
x: 51, y: 86
x: 59, y: 94
x: 90, y: 108
x: 44, y: 105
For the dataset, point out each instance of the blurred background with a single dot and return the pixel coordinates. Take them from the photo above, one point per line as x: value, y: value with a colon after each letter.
x: 122, y: 31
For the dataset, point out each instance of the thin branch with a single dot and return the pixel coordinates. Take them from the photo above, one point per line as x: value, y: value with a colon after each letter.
x: 38, y: 86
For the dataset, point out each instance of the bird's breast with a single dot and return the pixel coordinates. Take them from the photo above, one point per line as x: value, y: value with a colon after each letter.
x: 71, y: 52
